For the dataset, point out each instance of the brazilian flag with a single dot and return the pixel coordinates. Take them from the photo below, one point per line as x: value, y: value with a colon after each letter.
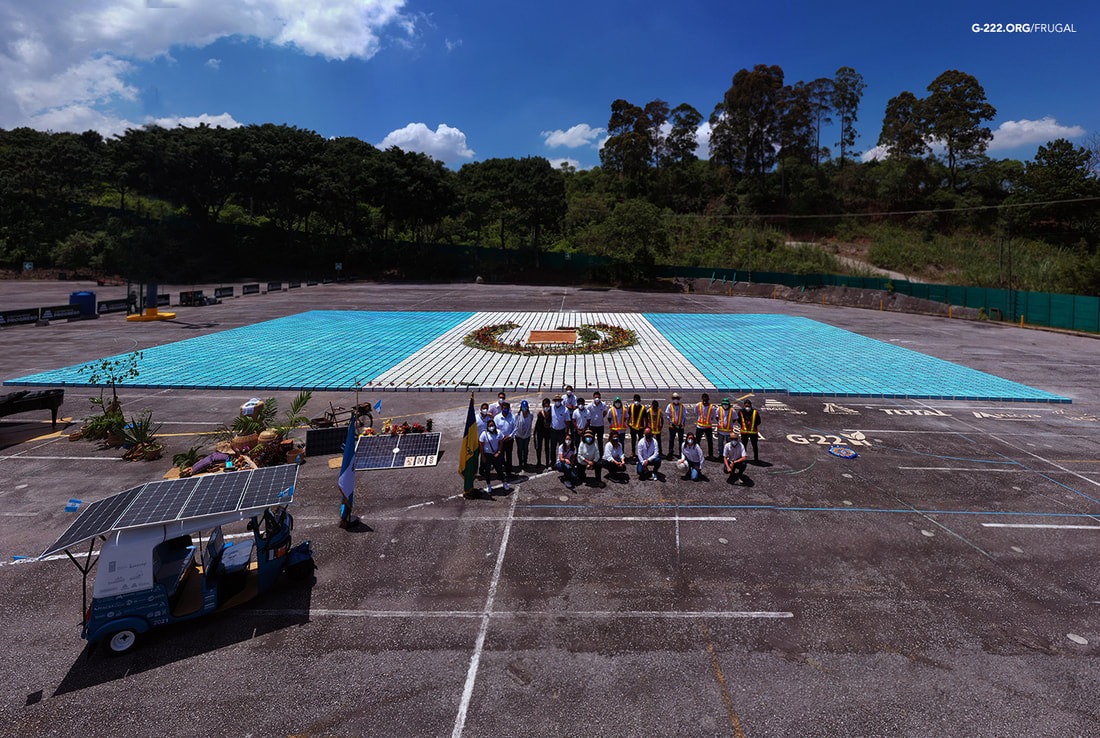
x: 471, y: 449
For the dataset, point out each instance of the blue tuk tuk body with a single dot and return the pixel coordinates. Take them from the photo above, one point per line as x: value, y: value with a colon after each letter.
x: 160, y: 571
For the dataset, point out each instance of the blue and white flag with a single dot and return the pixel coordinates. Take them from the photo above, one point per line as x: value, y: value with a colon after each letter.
x: 347, y: 474
x: 378, y: 406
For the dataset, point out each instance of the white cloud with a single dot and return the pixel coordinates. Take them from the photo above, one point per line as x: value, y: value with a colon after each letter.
x: 702, y: 138
x: 559, y: 163
x: 581, y: 134
x: 444, y: 143
x: 451, y: 45
x: 878, y: 153
x: 214, y: 64
x: 225, y: 120
x: 68, y: 61
x: 1013, y: 133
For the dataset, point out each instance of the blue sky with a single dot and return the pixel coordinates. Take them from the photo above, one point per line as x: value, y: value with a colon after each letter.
x: 469, y: 81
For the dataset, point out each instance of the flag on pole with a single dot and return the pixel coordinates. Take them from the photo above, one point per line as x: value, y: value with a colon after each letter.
x: 471, y: 449
x: 378, y: 406
x: 347, y: 476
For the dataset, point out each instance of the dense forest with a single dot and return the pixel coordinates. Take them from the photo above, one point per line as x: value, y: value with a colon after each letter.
x: 178, y: 204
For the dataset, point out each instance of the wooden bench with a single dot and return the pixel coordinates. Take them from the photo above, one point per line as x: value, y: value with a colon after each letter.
x: 25, y: 401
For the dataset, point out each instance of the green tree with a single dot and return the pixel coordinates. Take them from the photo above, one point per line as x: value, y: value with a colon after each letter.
x: 954, y: 110
x: 683, y: 139
x: 848, y: 89
x: 904, y: 135
x: 746, y: 126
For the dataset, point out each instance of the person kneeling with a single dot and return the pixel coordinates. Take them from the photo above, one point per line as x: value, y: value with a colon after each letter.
x: 734, y: 459
x: 588, y: 458
x: 649, y: 456
x: 691, y: 459
x: 614, y: 460
x: 567, y: 462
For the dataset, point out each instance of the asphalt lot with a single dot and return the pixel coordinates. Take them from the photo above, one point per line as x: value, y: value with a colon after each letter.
x: 929, y: 586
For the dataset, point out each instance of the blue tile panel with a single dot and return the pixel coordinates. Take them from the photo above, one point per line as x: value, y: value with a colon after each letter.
x: 779, y: 353
x: 318, y: 350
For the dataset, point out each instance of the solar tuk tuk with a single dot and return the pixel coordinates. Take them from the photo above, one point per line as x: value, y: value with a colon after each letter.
x: 153, y: 565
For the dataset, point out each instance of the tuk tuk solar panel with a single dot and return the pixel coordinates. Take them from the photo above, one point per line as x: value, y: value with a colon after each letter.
x: 396, y: 452
x: 175, y: 499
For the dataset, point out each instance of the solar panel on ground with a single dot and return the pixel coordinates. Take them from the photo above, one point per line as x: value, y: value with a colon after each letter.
x: 177, y: 499
x: 325, y: 441
x: 392, y: 452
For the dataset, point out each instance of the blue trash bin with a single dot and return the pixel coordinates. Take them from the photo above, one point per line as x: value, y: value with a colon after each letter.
x: 86, y: 301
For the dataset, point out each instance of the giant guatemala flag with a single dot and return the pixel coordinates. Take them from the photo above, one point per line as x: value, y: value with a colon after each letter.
x: 471, y: 449
x: 347, y: 473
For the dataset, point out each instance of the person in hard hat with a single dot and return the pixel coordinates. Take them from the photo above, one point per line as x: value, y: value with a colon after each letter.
x: 704, y: 423
x: 750, y: 428
x: 649, y: 455
x: 675, y: 415
x: 635, y: 418
x: 726, y: 421
x: 525, y: 425
x: 691, y: 459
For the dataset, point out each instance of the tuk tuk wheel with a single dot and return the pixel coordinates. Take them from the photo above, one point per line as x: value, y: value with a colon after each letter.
x: 122, y: 641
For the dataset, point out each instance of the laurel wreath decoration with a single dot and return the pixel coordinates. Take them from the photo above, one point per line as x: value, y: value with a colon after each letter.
x: 595, y: 338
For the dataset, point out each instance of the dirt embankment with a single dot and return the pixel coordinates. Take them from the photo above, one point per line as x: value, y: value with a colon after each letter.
x: 845, y: 296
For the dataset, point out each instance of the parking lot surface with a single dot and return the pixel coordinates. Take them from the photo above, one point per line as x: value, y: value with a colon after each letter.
x: 940, y: 582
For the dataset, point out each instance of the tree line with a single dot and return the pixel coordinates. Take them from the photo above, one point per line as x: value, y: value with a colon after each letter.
x: 183, y: 202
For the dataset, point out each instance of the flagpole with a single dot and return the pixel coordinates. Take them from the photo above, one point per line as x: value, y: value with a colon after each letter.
x: 346, y: 481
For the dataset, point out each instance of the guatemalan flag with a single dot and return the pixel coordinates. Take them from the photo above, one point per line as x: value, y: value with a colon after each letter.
x: 347, y: 475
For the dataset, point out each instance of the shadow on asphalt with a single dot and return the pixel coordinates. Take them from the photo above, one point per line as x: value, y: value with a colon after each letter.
x: 282, y: 608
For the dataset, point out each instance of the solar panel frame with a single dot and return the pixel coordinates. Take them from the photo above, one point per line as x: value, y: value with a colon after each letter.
x: 91, y: 522
x: 165, y: 501
x: 377, y: 452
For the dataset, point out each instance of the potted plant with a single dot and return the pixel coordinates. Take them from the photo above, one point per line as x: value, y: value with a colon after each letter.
x: 246, y: 432
x: 140, y: 436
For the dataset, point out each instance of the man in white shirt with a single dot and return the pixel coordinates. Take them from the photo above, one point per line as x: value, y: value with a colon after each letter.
x: 649, y: 455
x: 567, y: 462
x: 483, y: 418
x: 491, y: 457
x: 560, y: 418
x: 569, y: 398
x: 581, y: 419
x: 494, y: 409
x: 588, y: 458
x: 735, y: 459
x: 691, y: 459
x: 506, y: 425
x: 597, y: 417
x: 525, y: 423
x: 614, y: 458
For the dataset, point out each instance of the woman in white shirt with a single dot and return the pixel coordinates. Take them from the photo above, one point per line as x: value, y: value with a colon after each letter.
x: 691, y: 459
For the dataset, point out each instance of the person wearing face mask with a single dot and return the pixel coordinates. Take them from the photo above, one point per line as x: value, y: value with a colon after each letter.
x: 727, y: 421
x: 750, y: 428
x: 491, y: 456
x: 525, y: 424
x: 567, y: 462
x: 649, y: 456
x: 544, y: 436
x: 597, y: 417
x: 569, y: 399
x: 655, y: 419
x: 734, y: 459
x: 483, y: 418
x: 635, y: 418
x: 614, y: 460
x: 506, y: 426
x: 588, y: 458
x: 560, y: 420
x: 581, y: 420
x: 704, y: 423
x: 616, y: 419
x: 691, y: 459
x: 494, y: 409
x: 675, y: 414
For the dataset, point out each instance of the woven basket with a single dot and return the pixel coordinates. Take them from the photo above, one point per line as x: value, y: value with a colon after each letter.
x: 240, y: 443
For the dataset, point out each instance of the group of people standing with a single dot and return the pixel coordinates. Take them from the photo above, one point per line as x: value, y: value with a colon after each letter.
x: 568, y: 433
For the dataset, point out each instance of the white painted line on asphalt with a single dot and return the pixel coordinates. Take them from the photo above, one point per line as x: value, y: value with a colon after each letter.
x: 1041, y: 525
x: 475, y: 658
x: 18, y: 515
x: 60, y: 458
x: 963, y: 469
x: 608, y: 614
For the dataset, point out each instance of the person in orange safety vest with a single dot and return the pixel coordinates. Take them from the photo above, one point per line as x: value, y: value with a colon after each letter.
x: 675, y: 414
x: 750, y: 428
x: 704, y: 423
